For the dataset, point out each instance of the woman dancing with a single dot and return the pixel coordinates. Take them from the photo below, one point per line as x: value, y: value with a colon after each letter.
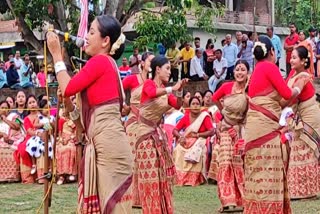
x: 191, y: 153
x: 230, y: 137
x: 134, y: 83
x: 153, y: 160
x: 265, y: 174
x: 303, y: 172
x: 107, y: 170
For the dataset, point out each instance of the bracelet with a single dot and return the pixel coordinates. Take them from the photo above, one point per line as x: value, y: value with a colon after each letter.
x: 74, y: 115
x: 169, y: 90
x: 59, y: 66
x: 179, y: 94
x: 297, y: 89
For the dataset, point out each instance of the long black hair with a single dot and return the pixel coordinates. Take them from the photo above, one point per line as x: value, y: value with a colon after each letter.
x: 110, y: 26
x: 259, y: 52
x: 157, y: 61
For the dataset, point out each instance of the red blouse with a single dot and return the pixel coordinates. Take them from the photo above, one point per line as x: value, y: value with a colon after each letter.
x: 130, y: 82
x: 307, y: 92
x: 100, y: 79
x: 265, y: 79
x: 149, y: 91
x: 223, y: 91
x: 185, y: 122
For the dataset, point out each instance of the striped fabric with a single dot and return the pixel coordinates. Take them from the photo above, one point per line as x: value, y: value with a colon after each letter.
x: 83, y: 26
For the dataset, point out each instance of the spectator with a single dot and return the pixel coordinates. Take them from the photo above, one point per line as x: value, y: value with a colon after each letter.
x: 25, y: 73
x: 317, y: 68
x: 196, y: 70
x: 220, y: 66
x: 289, y: 44
x: 7, y: 64
x: 13, y: 76
x: 162, y: 50
x: 276, y: 43
x: 124, y: 69
x: 41, y: 76
x: 3, y: 77
x: 172, y: 55
x: 239, y: 40
x: 18, y: 62
x: 11, y: 102
x: 230, y: 52
x: 246, y: 51
x: 313, y: 41
x: 186, y: 54
x: 223, y: 42
x: 197, y: 46
x: 134, y: 61
x: 209, y: 57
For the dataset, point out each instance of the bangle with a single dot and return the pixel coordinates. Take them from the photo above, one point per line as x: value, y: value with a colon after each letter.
x: 74, y: 115
x: 169, y: 90
x: 59, y: 66
x: 179, y: 94
x: 297, y: 89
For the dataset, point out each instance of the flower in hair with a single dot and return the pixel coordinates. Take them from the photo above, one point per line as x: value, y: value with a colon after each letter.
x: 263, y: 47
x: 117, y: 44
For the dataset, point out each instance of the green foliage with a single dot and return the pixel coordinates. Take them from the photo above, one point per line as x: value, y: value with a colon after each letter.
x: 167, y: 27
x: 302, y: 13
x: 205, y: 16
x: 170, y: 24
x: 35, y: 11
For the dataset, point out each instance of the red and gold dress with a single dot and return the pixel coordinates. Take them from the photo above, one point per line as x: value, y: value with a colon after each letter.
x: 66, y: 150
x: 192, y: 173
x: 105, y: 180
x: 303, y: 171
x: 231, y: 128
x: 153, y: 160
x: 266, y: 187
x: 132, y: 127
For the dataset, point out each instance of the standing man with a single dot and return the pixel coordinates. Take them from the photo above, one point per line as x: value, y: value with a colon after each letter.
x: 289, y: 44
x: 3, y: 77
x: 186, y: 54
x: 276, y: 43
x: 197, y: 46
x: 230, y: 52
x: 25, y: 72
x: 246, y: 51
x: 172, y: 55
x: 313, y: 40
x: 239, y: 40
x: 18, y: 62
x: 135, y: 60
x: 124, y: 69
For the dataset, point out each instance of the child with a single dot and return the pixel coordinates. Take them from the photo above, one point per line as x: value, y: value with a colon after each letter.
x: 35, y: 145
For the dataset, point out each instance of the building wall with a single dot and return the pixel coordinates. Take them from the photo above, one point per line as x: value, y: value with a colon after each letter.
x: 220, y: 34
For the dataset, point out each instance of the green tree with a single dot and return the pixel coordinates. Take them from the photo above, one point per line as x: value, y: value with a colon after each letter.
x: 302, y: 13
x: 169, y: 24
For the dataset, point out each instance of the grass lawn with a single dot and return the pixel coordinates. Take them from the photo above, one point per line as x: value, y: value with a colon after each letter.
x: 19, y: 198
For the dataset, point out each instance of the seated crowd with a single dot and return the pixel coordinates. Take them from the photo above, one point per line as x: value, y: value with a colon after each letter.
x: 22, y: 124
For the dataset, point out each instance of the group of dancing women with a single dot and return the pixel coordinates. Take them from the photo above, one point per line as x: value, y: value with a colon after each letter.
x: 258, y: 164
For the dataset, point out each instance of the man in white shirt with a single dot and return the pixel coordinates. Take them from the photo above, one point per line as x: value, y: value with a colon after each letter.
x: 196, y: 70
x: 220, y: 66
x: 18, y: 62
x: 134, y: 61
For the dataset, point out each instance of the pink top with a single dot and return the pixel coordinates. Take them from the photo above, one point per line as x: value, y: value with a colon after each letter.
x: 42, y: 79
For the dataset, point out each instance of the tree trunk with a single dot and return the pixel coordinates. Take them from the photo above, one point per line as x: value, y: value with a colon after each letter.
x: 120, y: 9
x: 111, y: 7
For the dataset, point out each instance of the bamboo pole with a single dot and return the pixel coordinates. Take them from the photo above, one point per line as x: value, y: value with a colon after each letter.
x: 46, y: 170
